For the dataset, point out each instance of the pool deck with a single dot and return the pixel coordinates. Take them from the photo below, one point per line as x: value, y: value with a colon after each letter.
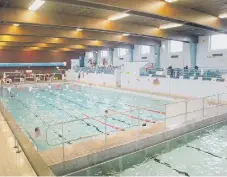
x: 12, y: 163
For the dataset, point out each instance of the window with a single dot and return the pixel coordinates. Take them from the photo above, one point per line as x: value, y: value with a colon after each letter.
x: 144, y: 49
x: 122, y: 52
x: 104, y: 53
x: 218, y: 42
x: 90, y: 55
x: 175, y: 46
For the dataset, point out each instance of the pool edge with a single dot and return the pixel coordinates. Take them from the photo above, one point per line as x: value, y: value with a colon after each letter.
x: 34, y: 158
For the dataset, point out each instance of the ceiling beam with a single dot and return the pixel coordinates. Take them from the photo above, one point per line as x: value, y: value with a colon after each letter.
x: 158, y: 9
x: 39, y: 31
x: 45, y: 41
x: 22, y: 16
x: 35, y: 48
x: 41, y: 45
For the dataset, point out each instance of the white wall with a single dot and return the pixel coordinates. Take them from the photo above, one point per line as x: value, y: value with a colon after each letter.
x: 116, y: 58
x: 138, y: 56
x: 204, y: 55
x: 184, y: 57
x: 86, y: 58
x: 100, y: 59
x: 187, y: 88
x: 133, y: 67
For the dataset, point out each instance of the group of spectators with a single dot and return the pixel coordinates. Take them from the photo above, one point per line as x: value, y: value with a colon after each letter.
x: 175, y: 73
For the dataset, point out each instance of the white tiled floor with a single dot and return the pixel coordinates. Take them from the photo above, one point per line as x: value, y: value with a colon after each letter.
x: 11, y: 163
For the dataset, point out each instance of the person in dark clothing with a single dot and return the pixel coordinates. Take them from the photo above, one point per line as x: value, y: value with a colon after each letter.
x: 170, y: 71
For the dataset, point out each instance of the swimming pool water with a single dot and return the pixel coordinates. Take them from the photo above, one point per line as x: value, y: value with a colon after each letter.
x: 203, y: 153
x: 44, y: 106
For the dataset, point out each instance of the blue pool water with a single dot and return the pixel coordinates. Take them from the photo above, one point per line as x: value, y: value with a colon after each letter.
x: 43, y: 107
x: 200, y: 153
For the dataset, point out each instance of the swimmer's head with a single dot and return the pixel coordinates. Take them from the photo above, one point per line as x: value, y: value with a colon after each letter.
x: 37, y: 129
x: 106, y: 111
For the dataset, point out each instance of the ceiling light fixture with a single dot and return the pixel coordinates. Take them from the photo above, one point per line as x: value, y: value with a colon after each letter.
x: 169, y: 1
x: 118, y: 16
x: 36, y: 5
x: 222, y: 16
x: 79, y: 29
x: 125, y: 34
x: 170, y: 25
x: 15, y: 24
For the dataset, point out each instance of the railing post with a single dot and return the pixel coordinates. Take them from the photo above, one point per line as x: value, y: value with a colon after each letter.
x: 106, y: 115
x: 63, y: 146
x: 16, y: 142
x: 139, y: 124
x: 203, y: 108
x: 218, y: 104
x: 186, y: 112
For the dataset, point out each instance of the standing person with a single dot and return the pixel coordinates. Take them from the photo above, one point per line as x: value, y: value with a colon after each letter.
x: 79, y: 76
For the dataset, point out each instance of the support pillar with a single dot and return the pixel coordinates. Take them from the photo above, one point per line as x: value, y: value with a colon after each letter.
x: 81, y: 58
x: 193, y: 53
x: 131, y: 54
x: 157, y: 56
x: 96, y: 57
x: 111, y: 56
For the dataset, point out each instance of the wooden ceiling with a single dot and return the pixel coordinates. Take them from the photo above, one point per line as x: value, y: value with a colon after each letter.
x: 61, y: 18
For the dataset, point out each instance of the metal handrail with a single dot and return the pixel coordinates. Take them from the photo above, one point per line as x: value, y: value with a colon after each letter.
x: 131, y: 110
x: 81, y: 138
x: 61, y: 123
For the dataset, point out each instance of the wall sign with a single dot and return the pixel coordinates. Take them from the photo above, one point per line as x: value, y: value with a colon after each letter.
x: 156, y: 81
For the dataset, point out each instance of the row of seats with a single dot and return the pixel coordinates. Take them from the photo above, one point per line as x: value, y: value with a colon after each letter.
x: 105, y: 70
x: 205, y: 74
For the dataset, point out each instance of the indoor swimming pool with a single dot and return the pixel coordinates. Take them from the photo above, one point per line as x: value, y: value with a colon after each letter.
x: 82, y: 108
x: 201, y: 153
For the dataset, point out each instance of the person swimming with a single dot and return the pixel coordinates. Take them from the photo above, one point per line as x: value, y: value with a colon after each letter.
x: 37, y: 132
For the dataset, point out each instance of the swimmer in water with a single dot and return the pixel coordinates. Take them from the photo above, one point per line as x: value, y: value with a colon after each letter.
x: 37, y: 132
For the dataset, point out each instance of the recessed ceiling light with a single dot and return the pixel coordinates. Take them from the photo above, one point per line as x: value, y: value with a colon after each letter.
x: 79, y: 29
x: 15, y: 24
x: 169, y: 1
x: 222, y: 16
x: 36, y: 5
x: 118, y: 16
x: 125, y: 34
x: 170, y: 25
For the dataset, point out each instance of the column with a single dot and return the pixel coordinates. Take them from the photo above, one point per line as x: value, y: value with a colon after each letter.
x: 193, y: 53
x: 96, y: 56
x: 131, y: 54
x: 81, y: 58
x: 111, y: 55
x: 157, y: 56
